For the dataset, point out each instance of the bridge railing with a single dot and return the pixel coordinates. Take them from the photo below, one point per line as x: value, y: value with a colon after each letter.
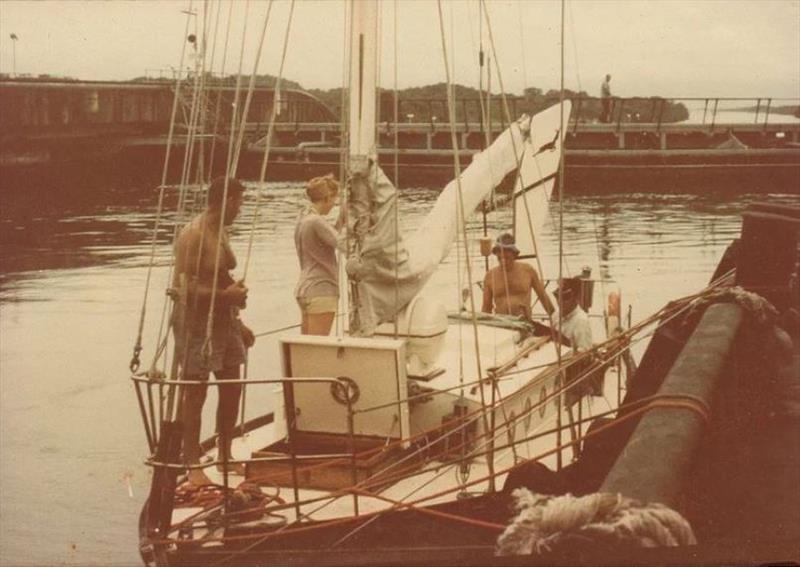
x: 699, y: 110
x: 473, y: 114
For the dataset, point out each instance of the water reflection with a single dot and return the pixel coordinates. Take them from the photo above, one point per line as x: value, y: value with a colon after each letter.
x: 115, y: 226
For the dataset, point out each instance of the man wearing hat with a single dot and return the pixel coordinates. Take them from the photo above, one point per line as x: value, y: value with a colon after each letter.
x: 507, y: 287
x: 574, y: 320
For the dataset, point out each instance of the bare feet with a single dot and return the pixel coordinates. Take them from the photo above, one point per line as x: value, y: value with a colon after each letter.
x: 198, y: 477
x: 233, y: 468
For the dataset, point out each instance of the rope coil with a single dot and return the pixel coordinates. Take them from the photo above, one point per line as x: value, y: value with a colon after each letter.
x: 545, y: 523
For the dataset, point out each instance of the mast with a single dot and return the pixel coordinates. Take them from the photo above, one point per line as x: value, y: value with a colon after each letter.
x: 363, y: 80
x: 362, y: 147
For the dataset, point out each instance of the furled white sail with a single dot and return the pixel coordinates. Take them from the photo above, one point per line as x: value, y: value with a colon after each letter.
x: 388, y: 272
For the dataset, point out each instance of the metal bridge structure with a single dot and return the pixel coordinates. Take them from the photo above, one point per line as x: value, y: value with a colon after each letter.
x: 644, y: 144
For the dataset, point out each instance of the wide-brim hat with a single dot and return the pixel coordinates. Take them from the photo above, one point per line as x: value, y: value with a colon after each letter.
x: 505, y: 242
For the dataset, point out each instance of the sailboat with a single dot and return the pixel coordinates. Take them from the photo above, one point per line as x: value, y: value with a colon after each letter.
x: 400, y: 440
x: 391, y: 409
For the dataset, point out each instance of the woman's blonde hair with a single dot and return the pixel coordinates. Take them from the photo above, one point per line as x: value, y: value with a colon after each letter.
x: 320, y: 187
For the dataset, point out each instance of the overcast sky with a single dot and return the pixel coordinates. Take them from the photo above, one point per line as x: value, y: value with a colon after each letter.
x: 671, y: 48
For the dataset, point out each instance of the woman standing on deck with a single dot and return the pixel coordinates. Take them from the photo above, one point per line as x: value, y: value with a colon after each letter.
x: 317, y: 291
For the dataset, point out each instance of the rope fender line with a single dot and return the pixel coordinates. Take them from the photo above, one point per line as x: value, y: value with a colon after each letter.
x: 546, y: 523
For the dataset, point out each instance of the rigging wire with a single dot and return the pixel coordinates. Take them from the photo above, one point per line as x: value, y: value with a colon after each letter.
x: 519, y: 181
x: 575, y: 49
x: 462, y: 217
x: 250, y: 90
x: 561, y: 193
x: 638, y: 407
x: 235, y: 165
x: 207, y: 345
x: 522, y: 47
x: 137, y: 348
x: 174, y: 408
x: 344, y: 304
x: 167, y: 306
x: 396, y: 110
x: 270, y: 131
x: 184, y: 189
x: 517, y: 154
x: 220, y: 84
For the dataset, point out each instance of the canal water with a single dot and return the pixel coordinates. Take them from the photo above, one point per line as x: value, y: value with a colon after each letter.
x: 72, y: 282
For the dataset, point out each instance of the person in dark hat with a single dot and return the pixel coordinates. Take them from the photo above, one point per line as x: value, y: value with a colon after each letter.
x: 507, y: 287
x: 574, y: 320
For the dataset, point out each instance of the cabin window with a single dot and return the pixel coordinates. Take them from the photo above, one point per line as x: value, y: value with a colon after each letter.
x: 526, y: 421
x: 543, y: 401
x: 511, y: 428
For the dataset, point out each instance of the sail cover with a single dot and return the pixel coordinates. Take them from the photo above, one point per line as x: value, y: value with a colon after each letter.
x: 386, y: 272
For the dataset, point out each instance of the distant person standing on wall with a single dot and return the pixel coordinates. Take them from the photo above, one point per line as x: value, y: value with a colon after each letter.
x: 317, y: 291
x: 605, y: 99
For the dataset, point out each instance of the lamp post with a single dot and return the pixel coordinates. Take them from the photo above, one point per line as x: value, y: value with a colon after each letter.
x: 14, y: 39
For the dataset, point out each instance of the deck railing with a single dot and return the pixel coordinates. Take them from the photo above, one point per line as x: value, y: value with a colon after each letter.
x: 152, y: 395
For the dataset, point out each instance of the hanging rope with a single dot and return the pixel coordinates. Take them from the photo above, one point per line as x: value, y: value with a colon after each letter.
x: 207, y: 344
x: 250, y: 90
x: 520, y: 19
x: 268, y: 145
x: 218, y: 104
x: 396, y: 112
x: 344, y: 303
x: 575, y: 49
x: 462, y: 212
x: 194, y: 129
x: 520, y: 180
x: 547, y: 523
x: 137, y: 349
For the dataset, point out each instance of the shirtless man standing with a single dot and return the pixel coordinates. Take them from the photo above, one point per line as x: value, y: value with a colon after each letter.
x: 196, y: 250
x: 507, y: 288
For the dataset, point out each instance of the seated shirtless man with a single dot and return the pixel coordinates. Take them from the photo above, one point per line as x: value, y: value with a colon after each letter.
x: 507, y: 288
x: 222, y: 351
